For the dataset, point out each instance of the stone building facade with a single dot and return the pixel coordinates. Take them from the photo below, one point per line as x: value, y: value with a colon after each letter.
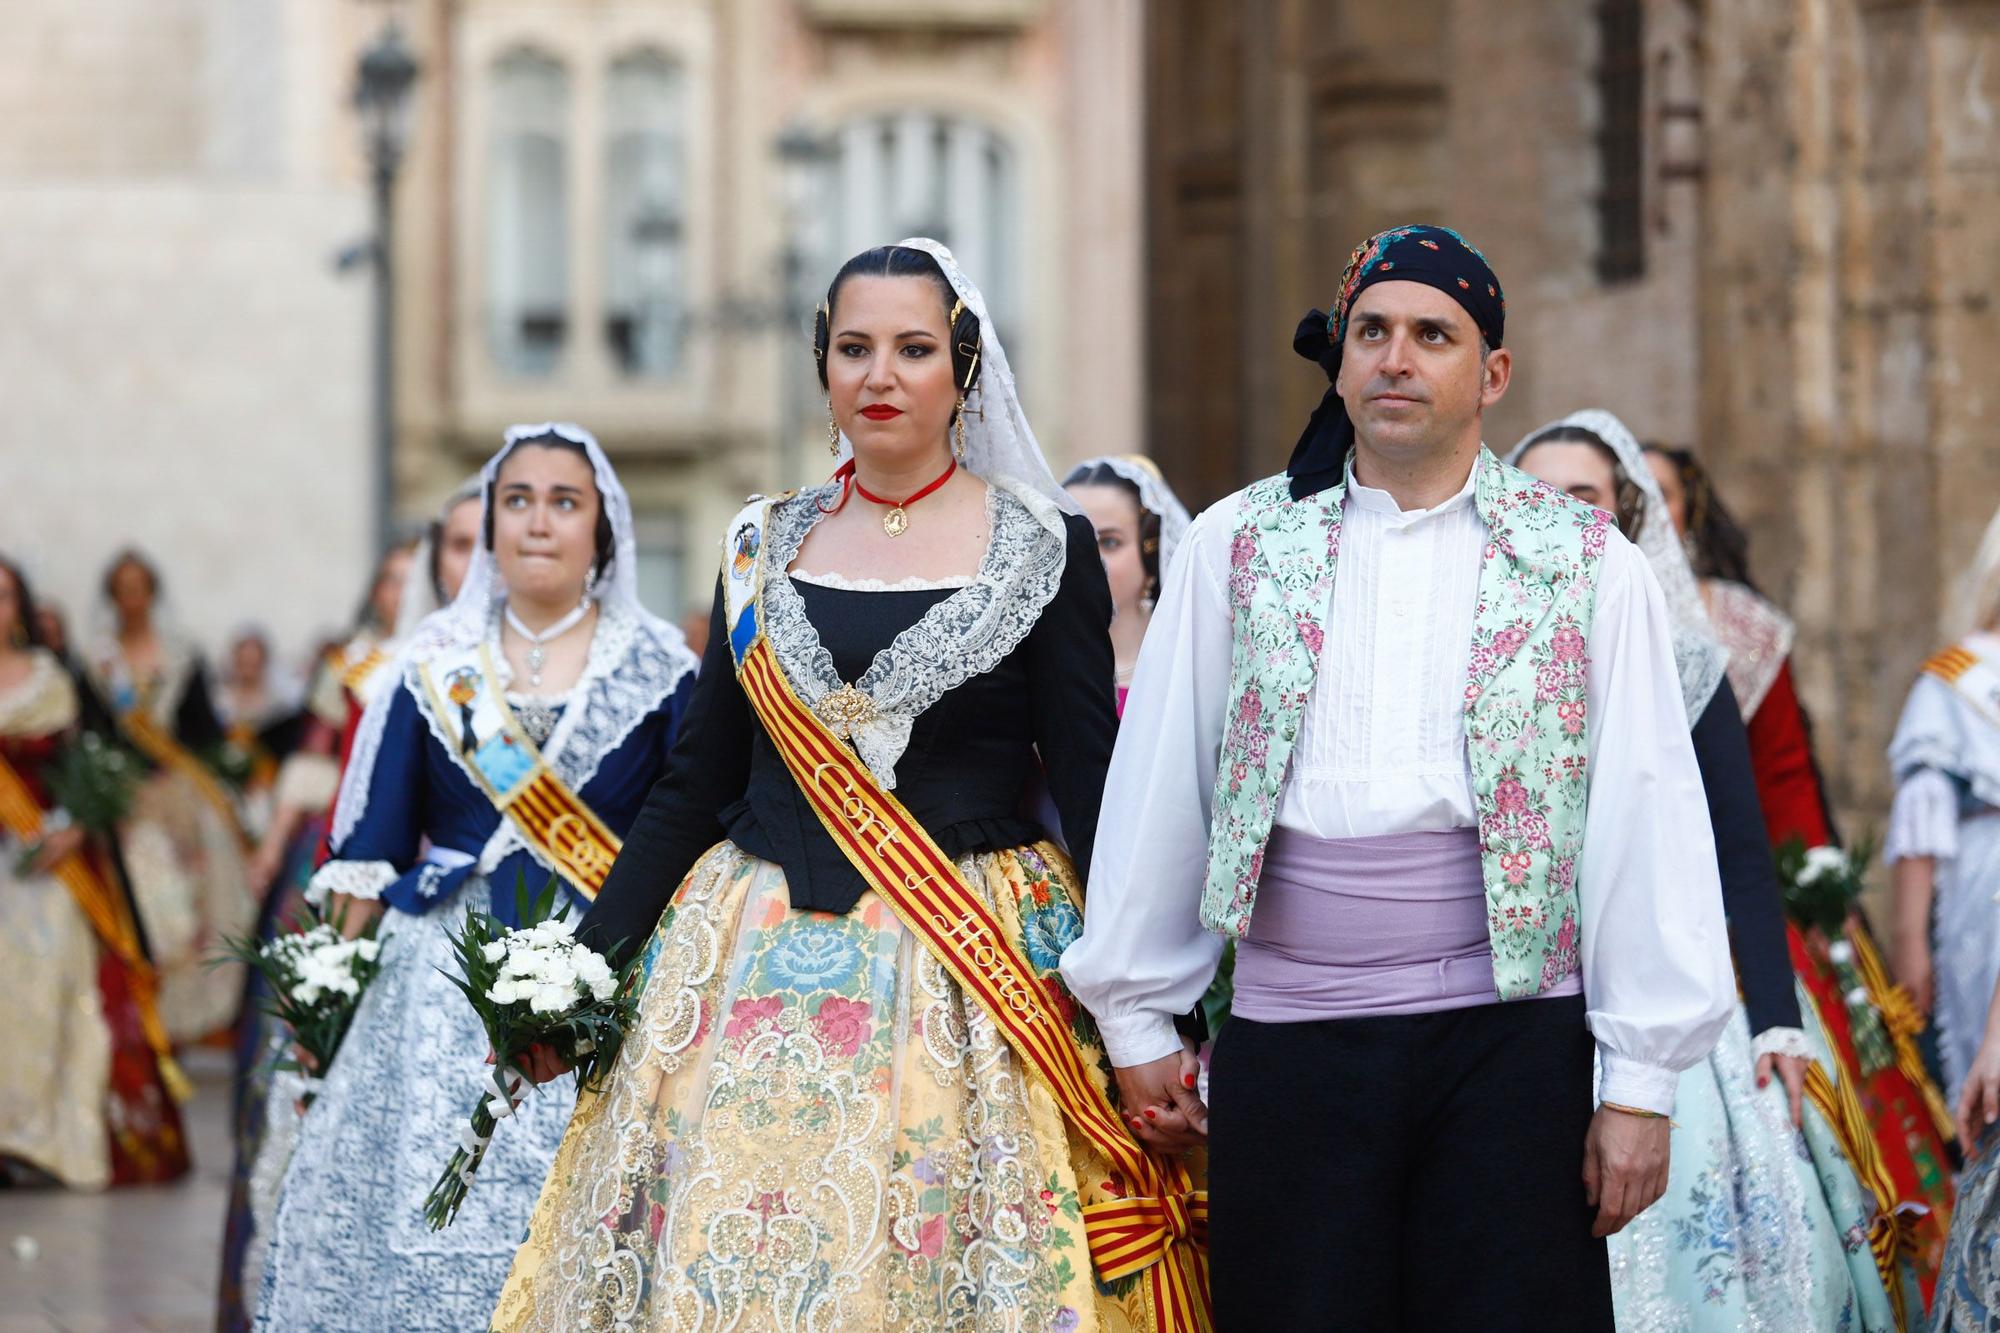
x: 596, y: 217
x: 1765, y: 231
x: 181, y: 366
x: 588, y: 226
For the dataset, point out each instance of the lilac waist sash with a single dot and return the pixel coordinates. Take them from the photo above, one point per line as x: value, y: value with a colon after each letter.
x: 1360, y: 927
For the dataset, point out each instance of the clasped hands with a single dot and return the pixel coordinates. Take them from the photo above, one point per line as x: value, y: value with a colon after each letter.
x: 1624, y: 1155
x: 1159, y: 1101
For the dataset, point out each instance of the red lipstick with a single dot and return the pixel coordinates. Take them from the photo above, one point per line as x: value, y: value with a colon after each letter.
x: 881, y: 412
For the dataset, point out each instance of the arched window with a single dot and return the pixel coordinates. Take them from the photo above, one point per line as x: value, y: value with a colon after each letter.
x: 527, y: 280
x: 645, y: 213
x: 918, y: 173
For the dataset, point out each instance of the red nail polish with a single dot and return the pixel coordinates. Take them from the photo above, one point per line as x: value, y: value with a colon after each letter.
x: 1151, y: 1114
x: 1187, y: 1080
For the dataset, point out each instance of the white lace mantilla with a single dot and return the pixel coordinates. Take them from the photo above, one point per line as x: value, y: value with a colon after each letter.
x: 967, y: 633
x: 627, y: 676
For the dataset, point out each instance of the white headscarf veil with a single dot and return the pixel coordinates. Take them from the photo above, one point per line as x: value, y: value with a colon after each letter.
x: 1975, y: 600
x: 1699, y: 654
x: 1155, y: 496
x: 469, y: 617
x: 420, y: 596
x: 1000, y: 445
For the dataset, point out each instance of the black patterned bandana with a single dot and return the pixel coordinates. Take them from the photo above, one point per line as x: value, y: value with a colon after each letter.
x: 1434, y: 256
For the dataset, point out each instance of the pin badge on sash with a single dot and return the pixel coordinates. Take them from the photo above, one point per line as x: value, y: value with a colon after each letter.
x: 462, y: 688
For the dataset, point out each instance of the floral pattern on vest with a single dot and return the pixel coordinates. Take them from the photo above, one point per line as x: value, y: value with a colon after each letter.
x: 1526, y: 711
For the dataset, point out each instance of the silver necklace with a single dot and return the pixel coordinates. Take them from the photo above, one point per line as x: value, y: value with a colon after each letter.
x: 536, y: 657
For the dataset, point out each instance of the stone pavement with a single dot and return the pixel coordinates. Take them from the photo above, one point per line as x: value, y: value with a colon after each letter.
x: 129, y: 1260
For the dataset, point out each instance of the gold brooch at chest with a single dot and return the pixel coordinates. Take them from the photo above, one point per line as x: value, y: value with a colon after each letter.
x: 845, y: 711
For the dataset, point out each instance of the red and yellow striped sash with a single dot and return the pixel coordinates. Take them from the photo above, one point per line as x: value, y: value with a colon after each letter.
x: 1904, y: 1021
x: 158, y: 745
x: 557, y: 822
x: 546, y: 811
x: 110, y: 916
x: 1890, y: 1234
x: 1159, y: 1229
x: 1950, y: 664
x: 354, y: 674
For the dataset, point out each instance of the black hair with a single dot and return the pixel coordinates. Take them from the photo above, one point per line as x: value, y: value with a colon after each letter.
x: 1625, y: 490
x: 1718, y: 547
x: 607, y: 542
x: 31, y: 620
x: 131, y: 555
x: 1103, y: 474
x: 899, y: 261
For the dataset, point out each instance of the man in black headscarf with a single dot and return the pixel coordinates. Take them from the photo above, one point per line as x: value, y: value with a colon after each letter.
x: 1456, y: 787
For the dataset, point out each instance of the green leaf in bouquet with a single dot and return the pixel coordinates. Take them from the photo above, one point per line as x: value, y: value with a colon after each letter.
x: 95, y: 781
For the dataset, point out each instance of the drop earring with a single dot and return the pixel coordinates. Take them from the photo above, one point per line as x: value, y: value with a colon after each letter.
x: 832, y: 430
x: 958, y: 430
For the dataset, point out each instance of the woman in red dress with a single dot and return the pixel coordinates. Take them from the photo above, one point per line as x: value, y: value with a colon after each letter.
x: 90, y: 1095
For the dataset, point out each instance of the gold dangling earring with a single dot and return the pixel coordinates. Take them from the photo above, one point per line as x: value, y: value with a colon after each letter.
x: 832, y: 430
x: 958, y: 431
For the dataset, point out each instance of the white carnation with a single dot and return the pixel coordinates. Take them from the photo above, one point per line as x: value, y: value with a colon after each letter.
x: 493, y: 952
x: 1823, y: 861
x: 551, y: 999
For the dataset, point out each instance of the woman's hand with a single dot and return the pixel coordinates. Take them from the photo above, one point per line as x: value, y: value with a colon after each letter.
x: 1791, y: 1071
x: 1979, y: 1100
x: 1913, y: 969
x: 56, y: 848
x: 539, y: 1062
x: 1159, y: 1102
x: 304, y: 1059
x: 265, y: 863
x: 353, y: 915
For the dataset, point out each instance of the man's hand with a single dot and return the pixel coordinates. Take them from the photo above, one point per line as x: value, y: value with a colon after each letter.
x: 1159, y: 1102
x: 1624, y: 1166
x: 1791, y: 1071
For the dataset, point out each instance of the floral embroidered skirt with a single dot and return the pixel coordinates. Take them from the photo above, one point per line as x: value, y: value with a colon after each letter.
x: 812, y: 1127
x: 1968, y: 1290
x: 193, y: 889
x: 1762, y: 1226
x: 52, y: 1098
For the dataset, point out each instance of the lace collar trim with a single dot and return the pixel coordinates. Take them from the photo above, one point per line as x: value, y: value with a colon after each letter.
x: 964, y: 635
x: 911, y: 584
x: 42, y: 703
x: 627, y: 676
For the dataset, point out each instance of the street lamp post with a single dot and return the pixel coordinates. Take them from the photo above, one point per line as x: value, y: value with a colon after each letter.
x: 802, y: 156
x: 386, y: 76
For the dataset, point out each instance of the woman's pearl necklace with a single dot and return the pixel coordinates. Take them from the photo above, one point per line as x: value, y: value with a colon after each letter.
x: 535, y: 640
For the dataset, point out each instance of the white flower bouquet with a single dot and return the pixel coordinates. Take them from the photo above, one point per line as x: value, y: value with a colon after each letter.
x: 531, y: 984
x: 313, y: 978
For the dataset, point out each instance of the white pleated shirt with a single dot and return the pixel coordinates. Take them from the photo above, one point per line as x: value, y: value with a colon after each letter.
x: 1381, y: 750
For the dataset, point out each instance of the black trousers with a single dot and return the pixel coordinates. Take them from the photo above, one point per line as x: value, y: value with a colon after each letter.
x: 1420, y: 1172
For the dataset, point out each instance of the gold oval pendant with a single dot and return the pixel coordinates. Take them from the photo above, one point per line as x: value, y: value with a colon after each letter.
x: 896, y: 522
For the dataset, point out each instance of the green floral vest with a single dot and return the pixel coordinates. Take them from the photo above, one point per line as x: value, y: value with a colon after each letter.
x: 1525, y: 715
